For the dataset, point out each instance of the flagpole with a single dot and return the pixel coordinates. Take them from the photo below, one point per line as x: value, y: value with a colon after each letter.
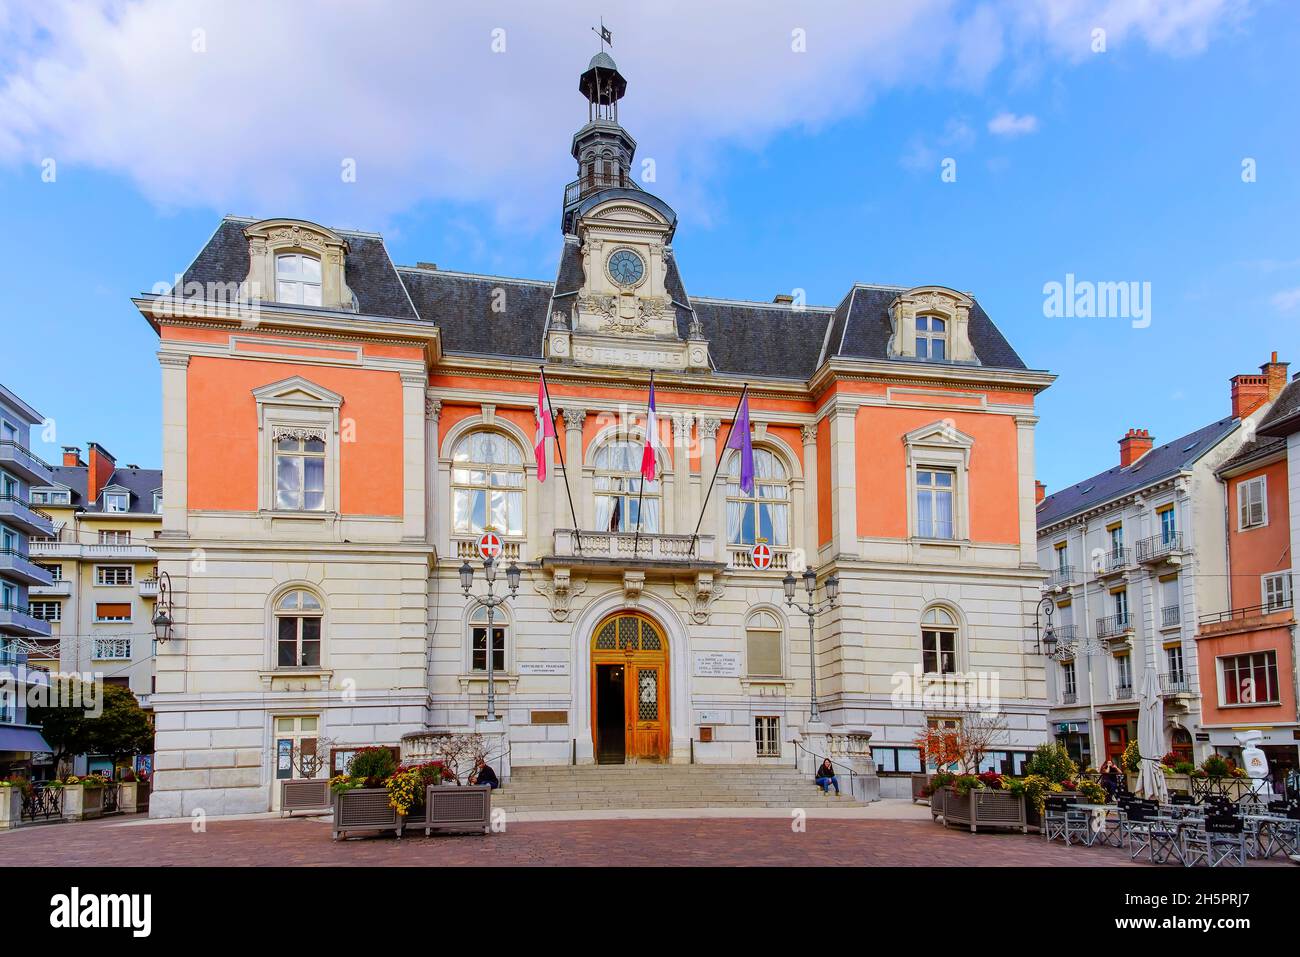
x: 696, y: 534
x: 559, y: 450
x: 636, y: 542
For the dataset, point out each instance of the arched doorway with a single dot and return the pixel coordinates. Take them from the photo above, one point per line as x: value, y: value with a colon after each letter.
x: 629, y: 690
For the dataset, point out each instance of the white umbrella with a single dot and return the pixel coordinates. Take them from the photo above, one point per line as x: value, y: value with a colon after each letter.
x: 1151, y: 740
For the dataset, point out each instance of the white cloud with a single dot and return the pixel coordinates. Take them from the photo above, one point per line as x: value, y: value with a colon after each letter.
x: 286, y: 92
x: 1286, y: 300
x: 1009, y: 124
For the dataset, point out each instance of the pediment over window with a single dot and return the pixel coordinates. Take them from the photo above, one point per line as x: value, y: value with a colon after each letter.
x: 294, y: 262
x: 947, y: 340
x: 942, y: 433
x: 297, y: 391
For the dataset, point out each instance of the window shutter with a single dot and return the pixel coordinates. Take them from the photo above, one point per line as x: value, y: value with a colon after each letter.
x: 1256, y: 502
x: 764, y: 652
x: 106, y: 609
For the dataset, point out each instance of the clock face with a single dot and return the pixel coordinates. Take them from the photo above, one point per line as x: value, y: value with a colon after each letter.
x: 626, y: 267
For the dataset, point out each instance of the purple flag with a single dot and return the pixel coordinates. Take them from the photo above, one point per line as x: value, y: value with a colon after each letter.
x: 739, y: 439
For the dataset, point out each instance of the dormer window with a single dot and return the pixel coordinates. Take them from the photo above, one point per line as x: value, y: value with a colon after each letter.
x: 116, y: 501
x: 297, y: 279
x: 157, y: 503
x: 931, y: 338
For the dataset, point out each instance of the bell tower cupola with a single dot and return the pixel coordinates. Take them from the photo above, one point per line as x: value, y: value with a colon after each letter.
x: 603, y: 149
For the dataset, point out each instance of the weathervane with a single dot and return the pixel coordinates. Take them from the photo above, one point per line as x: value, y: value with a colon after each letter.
x: 604, y: 34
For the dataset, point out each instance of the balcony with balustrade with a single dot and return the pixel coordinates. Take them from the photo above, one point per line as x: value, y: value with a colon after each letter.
x: 17, y: 565
x: 630, y: 550
x: 465, y: 549
x: 1062, y: 576
x: 1165, y: 547
x: 18, y: 620
x: 18, y: 459
x: 1171, y: 616
x: 1115, y: 627
x: 1123, y: 691
x: 23, y: 516
x: 1115, y: 562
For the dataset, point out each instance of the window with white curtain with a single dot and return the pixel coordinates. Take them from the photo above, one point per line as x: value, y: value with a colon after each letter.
x: 487, y: 484
x: 764, y: 514
x: 620, y: 499
x: 934, y: 491
x: 300, y: 470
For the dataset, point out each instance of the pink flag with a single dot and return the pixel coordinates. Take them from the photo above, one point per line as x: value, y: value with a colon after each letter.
x: 651, y: 438
x: 545, y: 429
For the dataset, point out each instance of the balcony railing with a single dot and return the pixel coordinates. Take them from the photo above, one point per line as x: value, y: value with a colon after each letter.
x: 24, y: 515
x: 19, y: 619
x: 1061, y: 575
x: 1170, y: 615
x: 17, y: 457
x: 148, y: 587
x: 589, y: 184
x: 64, y: 545
x: 1160, y: 546
x: 626, y: 546
x: 1123, y: 690
x: 1069, y: 697
x: 1116, y: 560
x: 1247, y: 611
x: 18, y: 564
x: 742, y: 556
x: 1174, y: 683
x: 112, y: 649
x: 466, y: 549
x: 1113, y: 626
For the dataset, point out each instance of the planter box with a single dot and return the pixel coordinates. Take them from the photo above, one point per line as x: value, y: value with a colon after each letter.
x: 81, y: 803
x: 451, y: 808
x: 984, y: 808
x: 142, y: 797
x: 304, y: 795
x: 937, y: 803
x: 364, y: 809
x: 919, y: 781
x: 11, y: 807
x: 126, y: 797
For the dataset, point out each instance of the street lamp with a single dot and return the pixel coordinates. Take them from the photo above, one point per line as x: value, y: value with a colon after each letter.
x: 812, y: 609
x: 162, y: 619
x: 490, y: 602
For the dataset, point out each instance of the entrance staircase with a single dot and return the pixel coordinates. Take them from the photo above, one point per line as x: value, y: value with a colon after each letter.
x: 632, y: 787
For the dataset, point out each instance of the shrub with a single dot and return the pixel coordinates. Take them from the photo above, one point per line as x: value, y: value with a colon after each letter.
x: 1051, y: 761
x: 965, y: 783
x: 1184, y: 767
x: 1035, y: 787
x: 1091, y: 791
x: 1131, y: 760
x: 1216, y: 766
x: 941, y: 779
x: 991, y: 780
x: 373, y: 765
x: 1170, y: 759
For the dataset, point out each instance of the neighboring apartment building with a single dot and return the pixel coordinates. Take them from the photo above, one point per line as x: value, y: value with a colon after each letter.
x: 100, y: 557
x: 20, y: 470
x: 1247, y: 646
x: 333, y: 449
x: 1134, y: 555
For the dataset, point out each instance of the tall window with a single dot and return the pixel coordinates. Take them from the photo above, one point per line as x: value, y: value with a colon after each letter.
x: 934, y: 490
x: 1116, y: 533
x: 487, y: 479
x: 1062, y: 557
x: 1121, y: 606
x: 766, y: 513
x: 297, y: 279
x: 939, y: 642
x: 9, y: 486
x: 1250, y: 679
x: 767, y: 736
x: 931, y: 338
x: 1168, y: 525
x: 1123, y: 676
x: 763, y: 645
x: 1174, y: 664
x: 300, y: 471
x: 1252, y: 502
x: 619, y: 496
x: 478, y: 643
x: 298, y: 630
x: 1069, y: 686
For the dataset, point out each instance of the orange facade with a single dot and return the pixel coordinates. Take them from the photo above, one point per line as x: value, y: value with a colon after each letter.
x: 1255, y: 552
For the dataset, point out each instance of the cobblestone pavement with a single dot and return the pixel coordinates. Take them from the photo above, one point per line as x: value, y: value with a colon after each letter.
x: 734, y: 841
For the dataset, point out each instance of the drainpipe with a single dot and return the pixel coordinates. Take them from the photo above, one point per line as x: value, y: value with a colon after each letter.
x: 1087, y: 617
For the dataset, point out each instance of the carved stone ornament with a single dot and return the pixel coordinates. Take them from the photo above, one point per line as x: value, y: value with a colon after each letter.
x: 809, y: 433
x: 432, y: 408
x: 699, y: 595
x: 301, y: 434
x: 606, y: 306
x: 559, y: 321
x: 561, y: 590
x: 633, y: 583
x: 709, y: 428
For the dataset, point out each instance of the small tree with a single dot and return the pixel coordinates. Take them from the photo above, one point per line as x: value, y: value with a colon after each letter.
x: 309, y: 755
x: 123, y: 728
x: 963, y: 745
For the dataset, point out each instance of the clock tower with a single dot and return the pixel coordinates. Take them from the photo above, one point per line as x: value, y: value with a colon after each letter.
x: 630, y: 309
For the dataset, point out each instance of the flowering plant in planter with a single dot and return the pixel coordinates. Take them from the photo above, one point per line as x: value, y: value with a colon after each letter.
x: 1131, y: 759
x: 941, y: 779
x: 992, y: 780
x: 965, y: 783
x: 1091, y: 791
x: 1216, y: 766
x: 95, y: 780
x: 406, y: 786
x: 343, y: 782
x: 1035, y: 788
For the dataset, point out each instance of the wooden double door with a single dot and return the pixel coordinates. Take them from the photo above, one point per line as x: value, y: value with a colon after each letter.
x: 629, y: 684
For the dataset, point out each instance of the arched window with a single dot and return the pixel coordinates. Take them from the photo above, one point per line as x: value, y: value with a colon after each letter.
x: 764, y: 514
x: 939, y: 642
x: 297, y: 279
x: 931, y: 338
x: 763, y: 645
x: 618, y: 490
x: 487, y: 484
x: 298, y: 630
x: 478, y: 641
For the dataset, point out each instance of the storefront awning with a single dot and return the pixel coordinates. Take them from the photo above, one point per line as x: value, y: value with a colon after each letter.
x: 22, y: 739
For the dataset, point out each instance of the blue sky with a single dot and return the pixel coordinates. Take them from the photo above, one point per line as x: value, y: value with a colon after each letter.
x: 788, y: 170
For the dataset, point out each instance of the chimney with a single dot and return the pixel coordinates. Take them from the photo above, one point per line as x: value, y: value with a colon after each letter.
x: 783, y: 299
x: 102, y: 465
x: 72, y: 457
x: 1250, y: 392
x: 1040, y: 492
x: 1134, y: 445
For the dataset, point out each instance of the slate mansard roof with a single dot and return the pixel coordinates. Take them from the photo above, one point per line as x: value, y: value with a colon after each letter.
x: 140, y: 483
x: 507, y: 318
x: 1160, y: 463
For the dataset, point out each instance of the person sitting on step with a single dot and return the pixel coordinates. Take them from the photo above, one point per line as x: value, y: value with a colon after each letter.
x: 826, y: 777
x: 483, y: 774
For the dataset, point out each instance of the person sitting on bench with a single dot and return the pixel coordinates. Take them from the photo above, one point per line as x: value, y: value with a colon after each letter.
x: 484, y: 774
x: 826, y: 777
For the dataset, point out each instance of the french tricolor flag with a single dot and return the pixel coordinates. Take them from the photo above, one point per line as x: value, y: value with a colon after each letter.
x: 651, y: 437
x: 545, y: 429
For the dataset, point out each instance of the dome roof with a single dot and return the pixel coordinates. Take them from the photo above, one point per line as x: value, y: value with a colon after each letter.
x: 602, y: 60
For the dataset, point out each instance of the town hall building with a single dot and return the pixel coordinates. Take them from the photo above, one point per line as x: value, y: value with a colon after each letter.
x: 339, y: 431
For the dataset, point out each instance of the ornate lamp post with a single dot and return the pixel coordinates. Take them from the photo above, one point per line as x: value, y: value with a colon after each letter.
x: 162, y: 619
x: 812, y: 609
x: 490, y: 601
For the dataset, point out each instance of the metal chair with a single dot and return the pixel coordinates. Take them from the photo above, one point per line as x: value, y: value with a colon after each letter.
x: 1054, y: 818
x: 1221, y: 841
x: 1078, y: 826
x: 1165, y: 843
